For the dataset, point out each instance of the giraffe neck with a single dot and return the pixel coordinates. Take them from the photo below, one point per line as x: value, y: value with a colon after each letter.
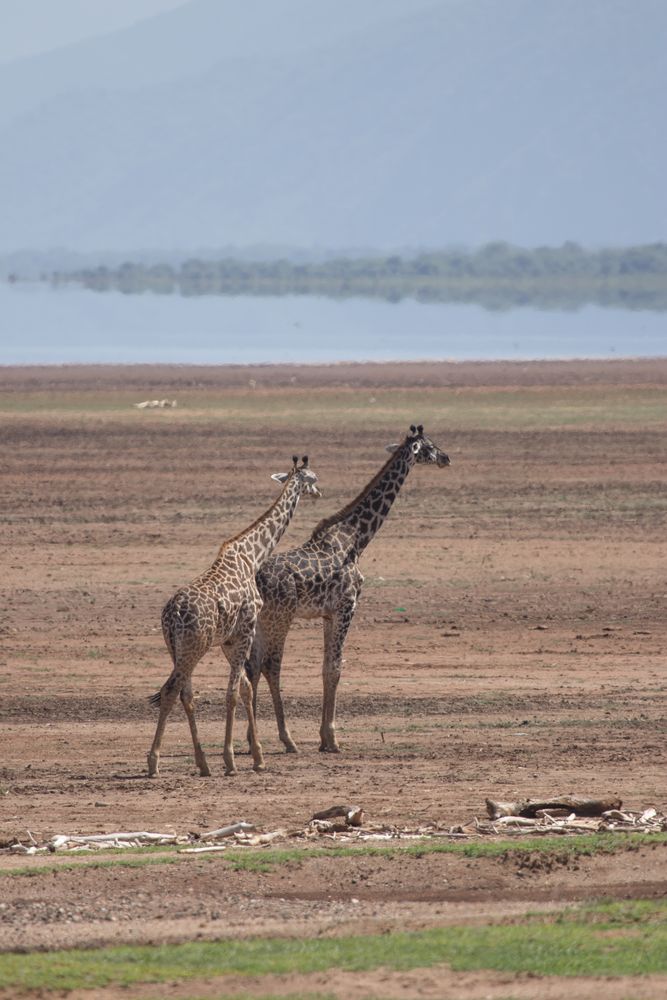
x: 257, y: 542
x: 357, y: 523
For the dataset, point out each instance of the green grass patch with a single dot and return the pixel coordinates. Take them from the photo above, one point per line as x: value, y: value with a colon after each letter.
x: 607, y: 940
x: 520, y: 408
x: 130, y: 858
x: 574, y: 846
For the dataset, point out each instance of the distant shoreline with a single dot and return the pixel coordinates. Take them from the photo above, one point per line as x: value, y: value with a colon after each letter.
x: 341, y: 374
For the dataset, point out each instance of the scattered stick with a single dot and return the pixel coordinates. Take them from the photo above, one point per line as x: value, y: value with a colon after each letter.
x: 343, y: 824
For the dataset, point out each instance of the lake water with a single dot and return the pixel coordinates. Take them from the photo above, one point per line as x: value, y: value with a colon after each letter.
x: 71, y: 325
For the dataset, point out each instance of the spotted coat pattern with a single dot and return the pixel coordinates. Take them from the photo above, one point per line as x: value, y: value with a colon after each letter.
x: 322, y: 579
x: 222, y: 606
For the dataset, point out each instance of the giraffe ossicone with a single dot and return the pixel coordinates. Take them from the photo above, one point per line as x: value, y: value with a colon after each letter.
x: 221, y: 605
x: 322, y: 579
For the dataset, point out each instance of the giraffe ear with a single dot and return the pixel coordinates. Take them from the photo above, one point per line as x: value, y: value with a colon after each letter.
x: 280, y: 477
x: 392, y: 447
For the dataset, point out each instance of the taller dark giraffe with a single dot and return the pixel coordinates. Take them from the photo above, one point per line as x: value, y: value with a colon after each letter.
x: 321, y: 579
x: 222, y: 605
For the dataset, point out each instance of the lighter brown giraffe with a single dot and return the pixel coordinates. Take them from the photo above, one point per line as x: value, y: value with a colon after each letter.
x: 322, y: 579
x: 222, y: 605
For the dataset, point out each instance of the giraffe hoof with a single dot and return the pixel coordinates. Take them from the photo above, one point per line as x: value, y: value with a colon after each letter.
x: 259, y: 767
x: 204, y: 772
x: 333, y: 749
x: 230, y: 771
x: 291, y: 748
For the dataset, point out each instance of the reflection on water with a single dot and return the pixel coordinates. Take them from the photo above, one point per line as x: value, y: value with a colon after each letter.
x: 70, y: 325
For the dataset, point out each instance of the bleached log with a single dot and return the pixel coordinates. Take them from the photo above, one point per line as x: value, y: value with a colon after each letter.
x: 514, y: 821
x: 617, y: 816
x: 529, y: 807
x: 135, y: 835
x: 260, y: 839
x: 353, y: 815
x: 229, y: 831
x: 113, y: 839
x: 211, y: 849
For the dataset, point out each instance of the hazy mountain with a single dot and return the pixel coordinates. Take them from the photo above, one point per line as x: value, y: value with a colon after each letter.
x: 343, y: 122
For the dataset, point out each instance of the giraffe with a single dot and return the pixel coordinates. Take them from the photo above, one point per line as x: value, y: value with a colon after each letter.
x: 321, y: 579
x: 222, y: 604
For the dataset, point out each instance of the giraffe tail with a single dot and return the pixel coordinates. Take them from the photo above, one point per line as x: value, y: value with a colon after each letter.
x: 167, y: 688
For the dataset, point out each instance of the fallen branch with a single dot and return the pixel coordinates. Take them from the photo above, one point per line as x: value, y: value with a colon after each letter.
x: 572, y: 803
x: 353, y: 815
x: 136, y: 839
x: 228, y: 831
x: 211, y: 849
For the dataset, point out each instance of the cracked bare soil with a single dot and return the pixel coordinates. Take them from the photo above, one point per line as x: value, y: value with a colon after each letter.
x: 510, y: 642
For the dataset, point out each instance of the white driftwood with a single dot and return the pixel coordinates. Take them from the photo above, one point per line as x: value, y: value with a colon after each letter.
x: 229, y: 831
x: 140, y: 835
x: 134, y: 839
x: 514, y: 821
x: 155, y: 404
x: 211, y: 849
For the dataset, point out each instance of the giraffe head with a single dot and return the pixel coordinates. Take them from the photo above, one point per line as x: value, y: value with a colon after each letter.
x: 424, y: 450
x: 306, y: 475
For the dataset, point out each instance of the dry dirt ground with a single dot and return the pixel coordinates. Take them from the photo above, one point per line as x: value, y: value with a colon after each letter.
x: 510, y: 642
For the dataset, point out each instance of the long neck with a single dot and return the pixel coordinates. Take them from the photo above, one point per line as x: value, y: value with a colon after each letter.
x: 258, y: 541
x: 362, y: 518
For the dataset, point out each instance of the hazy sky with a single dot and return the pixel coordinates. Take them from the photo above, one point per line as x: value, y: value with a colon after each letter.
x: 30, y: 26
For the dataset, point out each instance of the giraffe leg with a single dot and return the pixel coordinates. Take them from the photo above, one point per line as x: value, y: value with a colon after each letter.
x: 255, y: 745
x: 187, y: 700
x: 166, y: 699
x: 237, y: 653
x: 271, y: 670
x: 266, y: 658
x: 335, y: 633
x: 253, y: 671
x: 188, y: 628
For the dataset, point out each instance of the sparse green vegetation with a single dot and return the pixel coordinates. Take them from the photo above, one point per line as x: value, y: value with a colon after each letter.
x: 553, y: 407
x: 595, y: 940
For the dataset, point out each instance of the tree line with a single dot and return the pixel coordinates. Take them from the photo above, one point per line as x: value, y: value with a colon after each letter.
x: 497, y: 275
